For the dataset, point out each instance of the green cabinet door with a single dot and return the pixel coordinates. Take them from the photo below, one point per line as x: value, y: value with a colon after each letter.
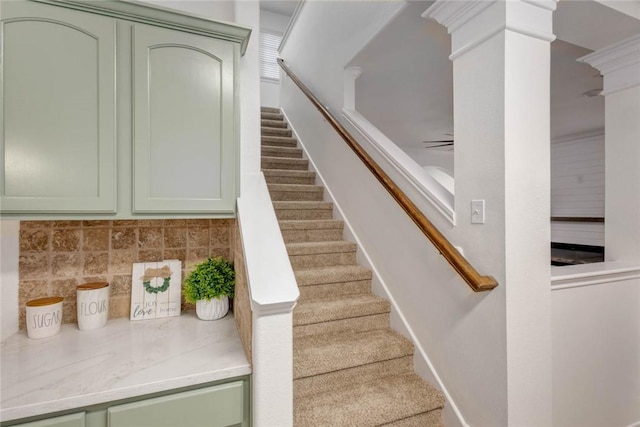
x: 217, y: 406
x: 184, y: 139
x: 57, y: 127
x: 73, y: 420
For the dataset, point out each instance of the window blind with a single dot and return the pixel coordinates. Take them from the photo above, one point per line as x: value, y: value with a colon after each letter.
x: 269, y: 43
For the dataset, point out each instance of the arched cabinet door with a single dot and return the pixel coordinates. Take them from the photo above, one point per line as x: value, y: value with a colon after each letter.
x: 184, y: 149
x: 58, y: 138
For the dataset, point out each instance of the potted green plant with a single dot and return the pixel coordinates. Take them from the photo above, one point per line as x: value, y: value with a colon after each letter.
x: 209, y: 286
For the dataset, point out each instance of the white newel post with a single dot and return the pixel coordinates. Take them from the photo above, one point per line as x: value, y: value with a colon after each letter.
x: 620, y: 66
x: 501, y: 67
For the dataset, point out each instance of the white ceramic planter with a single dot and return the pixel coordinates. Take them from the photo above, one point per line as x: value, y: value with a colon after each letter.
x: 212, y: 309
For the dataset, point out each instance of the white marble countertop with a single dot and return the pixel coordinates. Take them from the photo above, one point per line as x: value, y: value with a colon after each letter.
x: 124, y: 359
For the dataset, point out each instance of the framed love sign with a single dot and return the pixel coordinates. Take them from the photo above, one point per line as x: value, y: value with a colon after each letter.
x: 156, y: 289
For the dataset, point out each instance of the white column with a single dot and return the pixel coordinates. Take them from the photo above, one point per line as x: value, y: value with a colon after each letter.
x: 620, y: 66
x: 501, y: 66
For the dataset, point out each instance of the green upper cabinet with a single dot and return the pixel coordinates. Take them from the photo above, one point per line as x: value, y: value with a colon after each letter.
x: 184, y: 127
x: 117, y: 109
x: 58, y: 140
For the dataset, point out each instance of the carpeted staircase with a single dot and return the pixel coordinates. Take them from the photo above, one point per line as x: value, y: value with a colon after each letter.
x: 350, y: 368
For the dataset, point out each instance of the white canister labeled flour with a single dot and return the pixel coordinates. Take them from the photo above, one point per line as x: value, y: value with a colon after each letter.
x: 44, y: 317
x: 93, y: 305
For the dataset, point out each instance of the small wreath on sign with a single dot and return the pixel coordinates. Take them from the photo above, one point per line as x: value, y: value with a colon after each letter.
x: 159, y: 289
x: 152, y: 273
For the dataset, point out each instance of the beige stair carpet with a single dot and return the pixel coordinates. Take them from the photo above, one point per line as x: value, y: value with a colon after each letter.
x: 350, y: 367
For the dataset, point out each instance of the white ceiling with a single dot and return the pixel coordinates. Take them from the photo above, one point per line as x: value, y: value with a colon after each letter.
x: 406, y: 86
x: 283, y: 7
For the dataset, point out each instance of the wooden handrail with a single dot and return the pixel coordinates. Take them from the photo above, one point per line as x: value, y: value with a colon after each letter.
x: 469, y: 274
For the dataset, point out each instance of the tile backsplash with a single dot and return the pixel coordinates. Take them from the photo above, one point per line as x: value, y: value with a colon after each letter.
x: 56, y: 256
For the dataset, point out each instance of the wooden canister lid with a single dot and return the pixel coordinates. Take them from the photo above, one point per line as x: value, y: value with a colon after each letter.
x: 40, y: 302
x: 92, y: 286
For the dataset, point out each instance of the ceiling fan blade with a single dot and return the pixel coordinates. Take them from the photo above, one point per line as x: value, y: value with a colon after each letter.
x: 436, y: 141
x: 445, y: 144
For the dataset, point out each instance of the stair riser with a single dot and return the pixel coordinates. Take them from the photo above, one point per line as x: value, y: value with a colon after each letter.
x: 345, y: 289
x: 270, y: 110
x: 290, y: 196
x: 304, y: 214
x: 291, y: 164
x: 290, y: 180
x: 273, y: 123
x: 359, y: 375
x: 356, y: 324
x: 289, y: 153
x: 271, y: 116
x: 426, y: 419
x: 276, y: 132
x: 322, y: 235
x: 323, y: 260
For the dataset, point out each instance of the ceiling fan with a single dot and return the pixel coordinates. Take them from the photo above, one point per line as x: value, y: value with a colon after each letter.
x: 438, y: 143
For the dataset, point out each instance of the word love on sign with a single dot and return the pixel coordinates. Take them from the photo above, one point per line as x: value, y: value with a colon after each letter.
x: 156, y: 289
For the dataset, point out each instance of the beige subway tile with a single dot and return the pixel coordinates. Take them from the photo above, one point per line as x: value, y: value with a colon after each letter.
x: 179, y: 254
x: 149, y: 255
x: 123, y: 238
x: 32, y: 289
x: 66, y: 265
x: 96, y: 223
x: 119, y: 306
x: 33, y: 266
x: 121, y: 285
x: 70, y: 310
x: 67, y: 224
x: 36, y: 224
x: 93, y: 279
x: 222, y: 252
x: 67, y: 240
x: 197, y: 255
x: 34, y: 240
x: 150, y: 237
x: 198, y: 237
x: 175, y: 237
x: 96, y: 263
x: 65, y: 288
x: 219, y: 237
x: 121, y: 262
x: 95, y: 239
x: 198, y: 223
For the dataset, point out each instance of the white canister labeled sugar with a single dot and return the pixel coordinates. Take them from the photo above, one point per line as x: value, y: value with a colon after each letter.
x: 93, y: 305
x: 44, y: 317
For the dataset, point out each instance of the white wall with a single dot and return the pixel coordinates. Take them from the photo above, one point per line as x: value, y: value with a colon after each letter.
x: 596, y: 355
x: 578, y: 187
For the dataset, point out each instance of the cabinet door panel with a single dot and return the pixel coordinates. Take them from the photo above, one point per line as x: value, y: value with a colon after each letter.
x: 58, y: 133
x: 184, y: 148
x: 73, y: 420
x: 218, y: 406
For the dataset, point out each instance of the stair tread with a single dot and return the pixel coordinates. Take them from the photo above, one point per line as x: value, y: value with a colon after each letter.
x: 327, y: 309
x: 319, y: 354
x: 382, y: 401
x: 290, y: 173
x: 271, y: 116
x: 310, y: 224
x: 282, y: 151
x: 300, y: 205
x: 269, y: 109
x: 268, y: 123
x: 284, y: 159
x: 313, y: 248
x: 296, y: 187
x: 333, y: 274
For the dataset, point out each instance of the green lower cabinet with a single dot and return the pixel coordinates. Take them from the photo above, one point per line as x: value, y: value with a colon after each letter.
x: 73, y: 420
x: 218, y: 406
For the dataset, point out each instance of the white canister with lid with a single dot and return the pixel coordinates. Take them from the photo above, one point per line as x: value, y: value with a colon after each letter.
x: 93, y: 305
x: 44, y: 317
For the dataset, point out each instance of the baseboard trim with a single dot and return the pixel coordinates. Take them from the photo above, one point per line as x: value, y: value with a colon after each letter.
x: 422, y: 364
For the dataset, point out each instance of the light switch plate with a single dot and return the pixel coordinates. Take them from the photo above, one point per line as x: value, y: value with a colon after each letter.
x: 477, y: 212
